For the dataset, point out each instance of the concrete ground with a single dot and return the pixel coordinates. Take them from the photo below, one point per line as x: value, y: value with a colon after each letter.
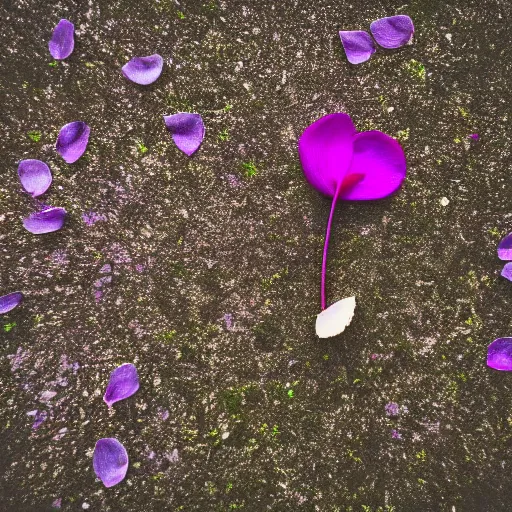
x: 216, y: 261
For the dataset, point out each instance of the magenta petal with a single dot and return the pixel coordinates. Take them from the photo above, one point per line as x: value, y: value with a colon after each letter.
x: 505, y: 248
x: 499, y: 354
x: 45, y: 221
x: 381, y: 160
x: 507, y: 271
x: 35, y: 176
x: 325, y: 151
x: 110, y: 461
x: 10, y: 301
x: 143, y: 70
x: 123, y: 382
x: 72, y: 141
x: 392, y: 32
x: 358, y: 45
x: 62, y: 43
x: 187, y: 131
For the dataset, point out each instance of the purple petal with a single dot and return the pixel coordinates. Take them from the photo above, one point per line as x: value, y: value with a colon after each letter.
x: 499, y: 354
x: 124, y: 382
x: 392, y: 32
x: 62, y: 42
x: 381, y: 161
x: 57, y: 503
x: 35, y: 176
x: 45, y: 221
x: 187, y: 131
x: 474, y: 136
x: 72, y: 141
x: 505, y: 248
x: 10, y: 301
x: 507, y: 271
x: 392, y: 409
x: 358, y: 45
x: 143, y: 70
x: 110, y: 461
x: 325, y: 151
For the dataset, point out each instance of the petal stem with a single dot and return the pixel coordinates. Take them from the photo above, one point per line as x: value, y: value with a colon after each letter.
x: 343, y: 186
x: 326, y: 245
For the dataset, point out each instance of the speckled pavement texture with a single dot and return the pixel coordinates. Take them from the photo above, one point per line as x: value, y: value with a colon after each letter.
x: 215, y: 262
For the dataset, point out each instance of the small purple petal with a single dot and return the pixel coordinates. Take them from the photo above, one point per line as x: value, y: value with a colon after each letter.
x: 505, y: 248
x: 392, y: 409
x: 187, y: 131
x: 10, y: 301
x: 72, y: 141
x: 57, y: 503
x: 143, y: 70
x: 110, y: 461
x: 392, y: 32
x: 35, y: 176
x: 358, y: 45
x: 62, y: 42
x: 507, y: 271
x: 106, y: 269
x: 474, y: 136
x: 123, y: 382
x: 39, y: 419
x: 381, y: 161
x: 45, y: 221
x: 499, y: 354
x: 395, y: 434
x: 325, y: 151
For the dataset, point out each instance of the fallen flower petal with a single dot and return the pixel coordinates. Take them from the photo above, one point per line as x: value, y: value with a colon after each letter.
x: 341, y: 163
x: 72, y: 141
x: 507, y: 271
x: 123, y: 383
x: 62, y: 43
x: 10, y: 301
x: 35, y: 176
x: 46, y: 221
x: 143, y: 70
x: 381, y: 160
x: 474, y: 136
x: 110, y: 461
x: 187, y: 131
x: 499, y: 354
x: 333, y: 320
x: 505, y: 248
x: 395, y: 434
x: 358, y: 45
x: 392, y: 409
x: 392, y: 32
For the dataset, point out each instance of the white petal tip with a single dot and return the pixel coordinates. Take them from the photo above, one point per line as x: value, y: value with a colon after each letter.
x: 333, y: 320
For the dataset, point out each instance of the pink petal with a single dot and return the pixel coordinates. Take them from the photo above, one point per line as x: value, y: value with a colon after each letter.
x: 62, y: 42
x: 35, y: 176
x: 499, y: 354
x: 110, y: 461
x: 10, y: 301
x: 505, y: 248
x: 72, y: 141
x: 381, y: 160
x: 187, y: 131
x: 325, y: 151
x: 46, y: 221
x: 143, y: 70
x: 358, y: 45
x: 123, y: 383
x: 392, y: 32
